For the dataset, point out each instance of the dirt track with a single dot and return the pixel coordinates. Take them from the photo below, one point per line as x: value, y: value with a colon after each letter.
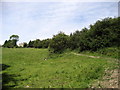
x: 110, y: 79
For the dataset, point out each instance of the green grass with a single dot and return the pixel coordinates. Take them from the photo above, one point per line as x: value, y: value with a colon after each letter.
x: 26, y: 67
x: 111, y: 52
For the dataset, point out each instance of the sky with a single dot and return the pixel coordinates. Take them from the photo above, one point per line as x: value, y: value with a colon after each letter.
x: 42, y: 20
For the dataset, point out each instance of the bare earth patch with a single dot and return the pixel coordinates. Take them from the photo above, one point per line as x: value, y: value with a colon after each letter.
x: 86, y: 55
x: 110, y: 80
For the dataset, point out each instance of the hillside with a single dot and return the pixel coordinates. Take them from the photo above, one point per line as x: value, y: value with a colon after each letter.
x: 31, y: 68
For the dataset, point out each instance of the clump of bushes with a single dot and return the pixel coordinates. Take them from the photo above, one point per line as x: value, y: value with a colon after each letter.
x: 59, y: 43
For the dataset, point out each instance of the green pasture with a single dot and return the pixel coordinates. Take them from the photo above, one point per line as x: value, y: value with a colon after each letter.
x: 35, y: 68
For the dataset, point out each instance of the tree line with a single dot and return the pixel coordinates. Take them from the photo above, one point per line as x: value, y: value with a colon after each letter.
x: 104, y: 33
x: 12, y: 43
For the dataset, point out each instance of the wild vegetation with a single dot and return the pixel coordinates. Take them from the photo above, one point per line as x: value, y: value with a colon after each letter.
x: 68, y: 61
x: 102, y: 34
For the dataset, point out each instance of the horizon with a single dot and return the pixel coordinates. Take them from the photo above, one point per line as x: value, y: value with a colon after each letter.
x: 42, y: 20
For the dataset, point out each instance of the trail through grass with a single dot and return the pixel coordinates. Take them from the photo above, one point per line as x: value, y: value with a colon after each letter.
x: 31, y: 68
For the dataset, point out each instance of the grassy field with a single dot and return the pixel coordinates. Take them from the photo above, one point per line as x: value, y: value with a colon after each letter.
x: 31, y: 68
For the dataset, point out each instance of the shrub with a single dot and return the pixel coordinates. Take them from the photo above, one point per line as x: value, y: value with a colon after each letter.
x: 59, y: 43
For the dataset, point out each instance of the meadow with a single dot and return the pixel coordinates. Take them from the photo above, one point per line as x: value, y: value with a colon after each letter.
x: 35, y: 68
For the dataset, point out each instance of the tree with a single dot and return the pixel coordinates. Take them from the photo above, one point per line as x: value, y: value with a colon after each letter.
x: 12, y: 42
x: 25, y: 45
x: 104, y: 33
x: 59, y: 43
x: 30, y: 44
x: 77, y: 39
x: 9, y: 43
x: 36, y: 43
x: 5, y: 43
x: 45, y: 43
x: 14, y: 37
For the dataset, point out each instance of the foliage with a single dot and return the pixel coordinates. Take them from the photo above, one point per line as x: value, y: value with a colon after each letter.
x: 25, y: 45
x: 39, y: 43
x: 12, y: 42
x: 45, y: 43
x: 14, y: 37
x: 36, y: 43
x: 30, y: 44
x: 102, y: 34
x: 59, y: 43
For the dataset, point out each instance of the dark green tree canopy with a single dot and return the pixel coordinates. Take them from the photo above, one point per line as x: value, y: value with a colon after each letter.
x: 12, y: 42
x: 14, y: 37
x: 59, y: 43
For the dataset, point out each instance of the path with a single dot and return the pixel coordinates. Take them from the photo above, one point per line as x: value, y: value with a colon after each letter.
x: 86, y: 55
x: 94, y: 56
x: 110, y: 80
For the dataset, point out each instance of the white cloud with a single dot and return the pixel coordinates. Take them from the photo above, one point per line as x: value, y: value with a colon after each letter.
x: 42, y: 20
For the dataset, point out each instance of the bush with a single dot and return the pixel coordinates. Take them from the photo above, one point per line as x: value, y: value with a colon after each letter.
x: 59, y: 43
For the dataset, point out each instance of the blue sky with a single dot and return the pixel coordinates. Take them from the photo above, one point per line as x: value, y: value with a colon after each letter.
x: 41, y: 20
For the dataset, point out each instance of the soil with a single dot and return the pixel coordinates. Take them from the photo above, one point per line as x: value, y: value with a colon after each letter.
x: 110, y: 80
